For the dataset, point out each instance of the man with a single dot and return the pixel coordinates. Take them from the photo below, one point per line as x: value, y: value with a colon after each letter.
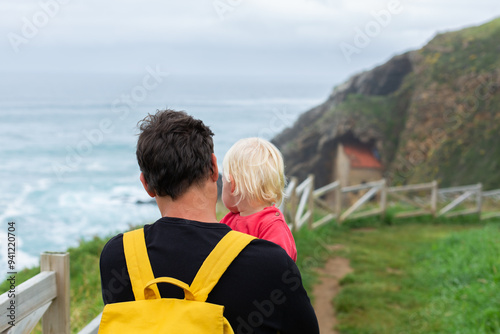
x: 261, y: 290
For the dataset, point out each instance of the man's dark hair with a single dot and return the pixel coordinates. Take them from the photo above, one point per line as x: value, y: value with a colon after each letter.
x: 174, y: 151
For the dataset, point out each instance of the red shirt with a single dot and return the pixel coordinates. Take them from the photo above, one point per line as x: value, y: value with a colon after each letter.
x: 267, y: 224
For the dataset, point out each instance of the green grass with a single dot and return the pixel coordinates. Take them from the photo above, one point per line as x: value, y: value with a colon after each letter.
x: 420, y: 278
x: 461, y: 274
x: 86, y: 298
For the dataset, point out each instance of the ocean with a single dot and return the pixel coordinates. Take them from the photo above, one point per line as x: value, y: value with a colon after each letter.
x: 67, y: 145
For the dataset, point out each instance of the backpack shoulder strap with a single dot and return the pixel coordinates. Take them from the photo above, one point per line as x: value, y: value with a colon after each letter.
x: 138, y: 265
x: 217, y: 262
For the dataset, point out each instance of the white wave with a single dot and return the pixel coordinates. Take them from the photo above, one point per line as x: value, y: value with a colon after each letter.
x: 15, y: 206
x: 95, y: 167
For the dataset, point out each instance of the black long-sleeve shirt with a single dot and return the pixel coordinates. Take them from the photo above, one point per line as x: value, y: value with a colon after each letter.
x: 261, y: 290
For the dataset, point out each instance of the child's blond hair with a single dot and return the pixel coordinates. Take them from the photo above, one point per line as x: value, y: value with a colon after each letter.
x: 258, y: 170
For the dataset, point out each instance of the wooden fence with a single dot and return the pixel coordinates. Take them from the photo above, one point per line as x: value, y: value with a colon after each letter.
x: 419, y: 199
x: 46, y: 296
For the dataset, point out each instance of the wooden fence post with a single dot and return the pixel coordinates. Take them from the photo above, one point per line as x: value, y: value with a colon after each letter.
x: 56, y: 319
x: 310, y: 221
x: 293, y: 205
x: 479, y: 199
x: 383, y: 199
x: 338, y: 202
x: 434, y: 195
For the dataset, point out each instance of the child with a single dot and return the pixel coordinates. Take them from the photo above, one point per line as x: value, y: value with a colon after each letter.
x: 252, y: 184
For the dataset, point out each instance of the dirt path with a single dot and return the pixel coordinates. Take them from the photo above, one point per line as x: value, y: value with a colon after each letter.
x: 335, y: 269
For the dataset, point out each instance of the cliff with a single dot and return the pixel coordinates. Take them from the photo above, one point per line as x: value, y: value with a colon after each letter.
x: 432, y: 113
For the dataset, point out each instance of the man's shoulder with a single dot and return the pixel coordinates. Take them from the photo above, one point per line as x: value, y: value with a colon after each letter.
x: 112, y: 247
x: 115, y: 243
x: 264, y: 253
x: 260, y: 245
x: 262, y: 267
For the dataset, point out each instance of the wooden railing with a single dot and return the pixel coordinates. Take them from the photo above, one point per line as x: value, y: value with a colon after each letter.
x: 423, y: 207
x: 494, y: 196
x: 301, y: 200
x: 45, y: 296
x: 467, y: 193
x: 374, y: 188
x: 92, y: 327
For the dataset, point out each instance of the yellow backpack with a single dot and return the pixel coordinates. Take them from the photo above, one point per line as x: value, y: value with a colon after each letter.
x: 150, y: 313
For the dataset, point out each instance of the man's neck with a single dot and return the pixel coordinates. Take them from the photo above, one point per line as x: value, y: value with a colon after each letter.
x: 195, y: 204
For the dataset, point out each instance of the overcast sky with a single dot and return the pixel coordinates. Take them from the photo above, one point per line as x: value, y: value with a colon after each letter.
x: 334, y: 38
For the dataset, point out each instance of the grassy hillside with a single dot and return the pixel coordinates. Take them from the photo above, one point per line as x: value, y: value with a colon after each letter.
x: 468, y: 51
x: 421, y: 279
x: 454, y: 112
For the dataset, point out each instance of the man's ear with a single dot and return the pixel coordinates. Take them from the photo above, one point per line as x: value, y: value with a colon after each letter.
x: 215, y: 168
x: 145, y: 185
